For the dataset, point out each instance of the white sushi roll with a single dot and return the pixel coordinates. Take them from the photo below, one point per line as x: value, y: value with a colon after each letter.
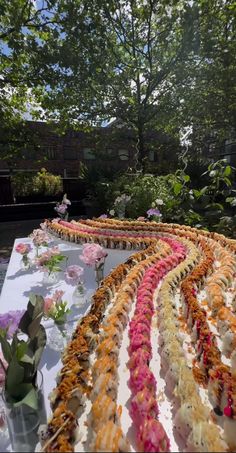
x: 230, y: 432
x: 228, y: 343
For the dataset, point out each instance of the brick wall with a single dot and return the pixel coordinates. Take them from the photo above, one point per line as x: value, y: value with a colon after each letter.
x: 63, y: 154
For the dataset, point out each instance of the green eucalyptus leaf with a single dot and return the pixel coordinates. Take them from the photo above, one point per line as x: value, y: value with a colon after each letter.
x: 14, y: 376
x: 6, y: 349
x: 30, y: 399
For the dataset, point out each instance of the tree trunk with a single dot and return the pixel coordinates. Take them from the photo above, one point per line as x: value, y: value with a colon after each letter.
x: 141, y: 148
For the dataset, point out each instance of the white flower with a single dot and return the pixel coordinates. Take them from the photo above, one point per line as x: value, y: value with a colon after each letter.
x: 112, y: 212
x: 65, y: 200
x: 212, y: 173
x: 233, y: 202
x: 159, y: 202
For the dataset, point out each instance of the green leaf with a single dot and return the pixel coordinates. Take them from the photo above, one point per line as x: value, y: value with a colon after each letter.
x: 227, y: 171
x: 31, y: 399
x: 227, y: 181
x: 14, y: 377
x: 6, y: 349
x: 186, y: 178
x: 21, y: 350
x: 177, y: 188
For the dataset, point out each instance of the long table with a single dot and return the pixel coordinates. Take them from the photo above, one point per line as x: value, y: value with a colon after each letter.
x: 18, y: 285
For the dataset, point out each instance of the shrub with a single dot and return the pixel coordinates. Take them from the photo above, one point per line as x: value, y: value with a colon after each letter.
x: 41, y: 183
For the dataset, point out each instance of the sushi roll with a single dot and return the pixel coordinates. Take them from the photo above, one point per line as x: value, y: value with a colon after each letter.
x: 110, y: 438
x: 104, y: 384
x: 152, y: 436
x: 142, y: 405
x: 140, y: 378
x: 103, y: 410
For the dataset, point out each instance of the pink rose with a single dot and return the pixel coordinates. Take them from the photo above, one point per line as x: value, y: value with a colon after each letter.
x: 57, y: 296
x: 92, y: 253
x: 49, y: 305
x: 23, y: 249
x: 73, y: 274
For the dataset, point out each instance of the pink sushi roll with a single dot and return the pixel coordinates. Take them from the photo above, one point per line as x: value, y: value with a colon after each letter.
x: 140, y: 318
x: 139, y: 341
x: 141, y: 378
x: 139, y: 328
x: 138, y: 358
x: 142, y: 405
x: 152, y: 437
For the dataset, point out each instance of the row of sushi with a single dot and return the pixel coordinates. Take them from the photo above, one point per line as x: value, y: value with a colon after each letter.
x: 221, y: 281
x: 150, y: 434
x: 190, y: 415
x: 104, y: 419
x: 69, y: 232
x: 73, y: 382
x: 177, y: 230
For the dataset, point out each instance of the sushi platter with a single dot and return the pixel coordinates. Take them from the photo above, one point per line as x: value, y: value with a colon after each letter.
x: 152, y: 366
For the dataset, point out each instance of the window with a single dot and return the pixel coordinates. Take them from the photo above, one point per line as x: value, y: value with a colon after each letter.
x: 68, y: 173
x: 151, y: 156
x: 51, y: 152
x: 69, y: 153
x: 123, y: 154
x: 227, y: 157
x: 89, y: 154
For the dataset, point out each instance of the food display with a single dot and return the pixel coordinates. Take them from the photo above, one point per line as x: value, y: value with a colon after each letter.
x: 152, y: 366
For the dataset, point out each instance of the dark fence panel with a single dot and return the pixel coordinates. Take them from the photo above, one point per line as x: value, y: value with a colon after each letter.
x: 6, y: 196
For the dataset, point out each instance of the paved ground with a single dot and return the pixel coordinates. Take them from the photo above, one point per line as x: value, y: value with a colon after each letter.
x: 9, y: 231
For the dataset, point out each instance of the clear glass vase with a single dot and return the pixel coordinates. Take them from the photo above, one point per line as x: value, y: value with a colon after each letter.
x: 79, y: 294
x: 99, y: 273
x: 23, y: 421
x: 56, y: 338
x: 50, y: 278
x: 26, y: 263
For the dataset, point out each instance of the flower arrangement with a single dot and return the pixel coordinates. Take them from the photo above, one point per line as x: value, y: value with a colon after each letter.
x: 94, y: 255
x: 24, y: 249
x: 23, y: 356
x: 73, y: 276
x: 49, y: 260
x: 62, y: 208
x: 120, y: 204
x: 55, y: 308
x: 9, y: 322
x: 39, y: 238
x: 154, y: 213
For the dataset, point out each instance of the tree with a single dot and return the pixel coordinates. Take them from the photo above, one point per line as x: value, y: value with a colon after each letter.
x: 120, y: 59
x: 210, y: 102
x: 24, y: 25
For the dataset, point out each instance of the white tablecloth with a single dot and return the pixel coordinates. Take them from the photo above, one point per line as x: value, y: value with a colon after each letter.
x: 19, y: 284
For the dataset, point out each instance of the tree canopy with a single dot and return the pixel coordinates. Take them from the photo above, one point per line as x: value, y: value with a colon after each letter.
x: 151, y: 64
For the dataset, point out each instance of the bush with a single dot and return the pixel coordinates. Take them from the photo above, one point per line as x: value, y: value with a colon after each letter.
x: 47, y: 184
x: 41, y: 183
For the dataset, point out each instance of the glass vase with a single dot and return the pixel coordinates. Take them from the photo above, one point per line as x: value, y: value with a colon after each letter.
x: 23, y: 421
x: 79, y: 293
x: 26, y: 263
x: 99, y: 273
x: 50, y: 278
x: 56, y: 339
